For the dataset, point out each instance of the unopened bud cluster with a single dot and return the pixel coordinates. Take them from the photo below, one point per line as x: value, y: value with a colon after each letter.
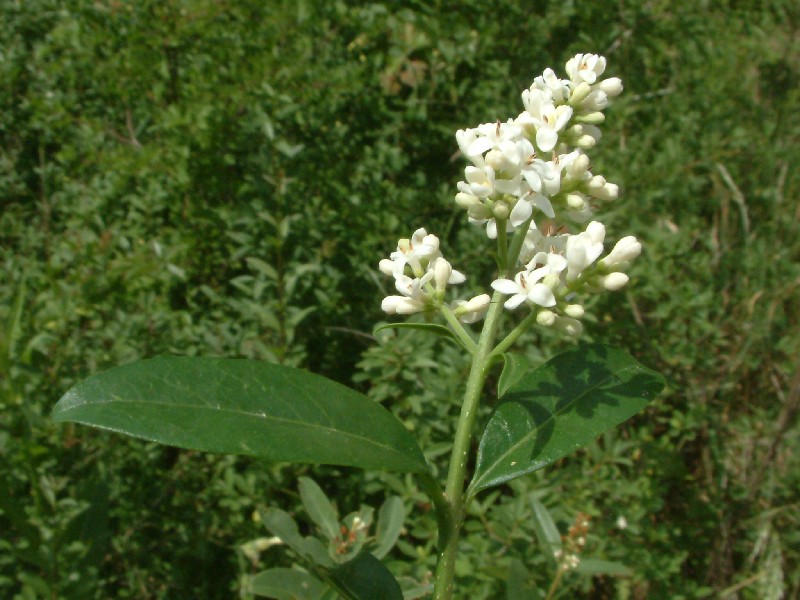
x: 528, y: 168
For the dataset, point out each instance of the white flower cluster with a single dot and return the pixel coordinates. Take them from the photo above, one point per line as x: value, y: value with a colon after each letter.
x: 508, y: 179
x: 537, y: 159
x: 536, y: 162
x: 421, y: 275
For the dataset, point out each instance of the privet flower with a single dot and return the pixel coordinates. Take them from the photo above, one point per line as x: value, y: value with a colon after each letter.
x: 522, y: 170
x: 421, y: 276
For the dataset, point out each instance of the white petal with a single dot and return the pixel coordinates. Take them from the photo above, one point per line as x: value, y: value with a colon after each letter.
x: 542, y: 295
x: 546, y: 138
x: 514, y: 301
x: 543, y: 204
x: 456, y: 277
x: 479, y: 146
x: 522, y: 210
x: 506, y: 286
x: 386, y: 266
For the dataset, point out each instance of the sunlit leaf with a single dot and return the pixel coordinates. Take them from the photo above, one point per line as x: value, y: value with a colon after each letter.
x: 559, y: 407
x: 243, y: 407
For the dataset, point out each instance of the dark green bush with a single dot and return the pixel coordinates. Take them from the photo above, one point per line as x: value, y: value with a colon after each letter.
x: 221, y: 178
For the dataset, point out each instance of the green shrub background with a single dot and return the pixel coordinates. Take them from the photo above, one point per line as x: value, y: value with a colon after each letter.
x: 220, y: 178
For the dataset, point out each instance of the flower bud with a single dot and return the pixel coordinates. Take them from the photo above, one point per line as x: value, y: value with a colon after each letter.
x: 574, y: 310
x: 579, y: 93
x: 576, y: 201
x: 495, y: 159
x: 386, y: 266
x: 585, y: 142
x: 501, y: 211
x: 552, y: 280
x: 597, y: 100
x: 579, y: 166
x: 473, y: 309
x: 625, y: 250
x: 400, y: 305
x: 441, y: 273
x: 546, y: 318
x: 614, y: 281
x: 592, y: 118
x: 611, y: 86
x: 480, y: 212
x: 595, y: 185
x: 610, y: 192
x: 465, y: 200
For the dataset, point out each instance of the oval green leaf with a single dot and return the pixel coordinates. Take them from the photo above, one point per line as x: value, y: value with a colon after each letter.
x: 559, y: 407
x: 319, y: 508
x: 243, y: 407
x: 365, y: 578
x: 287, y: 584
x: 544, y: 527
x: 390, y: 521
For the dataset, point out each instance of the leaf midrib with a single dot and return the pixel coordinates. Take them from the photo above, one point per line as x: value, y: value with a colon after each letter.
x: 183, y: 406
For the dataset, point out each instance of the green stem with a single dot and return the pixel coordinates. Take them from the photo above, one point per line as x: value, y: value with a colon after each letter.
x: 512, y: 337
x: 454, y: 491
x: 554, y: 586
x: 444, y: 517
x: 482, y: 361
x: 458, y: 329
x: 502, y: 245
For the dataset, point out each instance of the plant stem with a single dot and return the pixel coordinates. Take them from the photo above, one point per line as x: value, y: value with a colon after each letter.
x: 512, y: 337
x: 502, y: 245
x: 554, y: 586
x: 482, y: 361
x: 454, y: 491
x: 458, y: 329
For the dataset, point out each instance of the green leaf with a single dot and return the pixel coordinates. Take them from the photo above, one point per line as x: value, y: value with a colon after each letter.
x: 433, y: 328
x: 365, y: 578
x: 283, y: 526
x: 243, y: 407
x: 516, y: 584
x: 319, y: 508
x: 390, y: 521
x: 545, y: 529
x: 514, y: 369
x: 559, y: 407
x: 287, y: 584
x: 594, y: 566
x: 262, y: 266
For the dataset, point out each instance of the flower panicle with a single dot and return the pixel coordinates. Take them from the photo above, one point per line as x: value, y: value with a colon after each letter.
x: 421, y: 276
x: 532, y: 167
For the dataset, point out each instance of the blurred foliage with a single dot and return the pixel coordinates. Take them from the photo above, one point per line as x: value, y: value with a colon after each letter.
x: 221, y: 178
